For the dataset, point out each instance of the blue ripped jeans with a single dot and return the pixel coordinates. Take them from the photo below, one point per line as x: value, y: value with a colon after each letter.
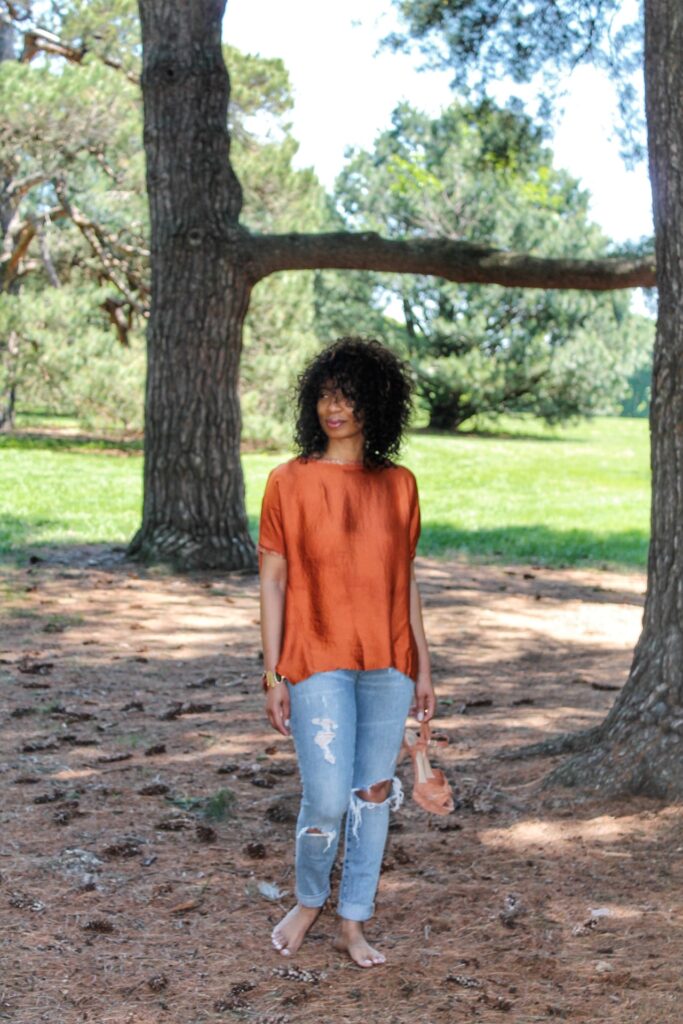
x: 347, y: 728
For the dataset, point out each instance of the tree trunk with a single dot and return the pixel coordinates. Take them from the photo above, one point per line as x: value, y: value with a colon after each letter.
x: 639, y: 746
x: 7, y: 409
x: 193, y: 514
x: 448, y: 415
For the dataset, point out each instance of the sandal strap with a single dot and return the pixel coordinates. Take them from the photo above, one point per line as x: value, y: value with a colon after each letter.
x: 426, y: 733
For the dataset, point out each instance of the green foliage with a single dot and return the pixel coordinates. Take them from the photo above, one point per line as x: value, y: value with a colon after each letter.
x: 78, y: 130
x: 72, y: 134
x: 260, y: 95
x: 101, y: 30
x: 482, y: 174
x: 637, y: 400
x: 220, y: 805
x: 64, y: 357
x: 279, y: 331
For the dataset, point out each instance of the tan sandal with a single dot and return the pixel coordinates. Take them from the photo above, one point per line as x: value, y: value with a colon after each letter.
x: 431, y: 789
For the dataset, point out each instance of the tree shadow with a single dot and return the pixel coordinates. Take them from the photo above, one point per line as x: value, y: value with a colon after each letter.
x: 494, y: 434
x: 537, y: 543
x: 22, y: 549
x: 36, y: 440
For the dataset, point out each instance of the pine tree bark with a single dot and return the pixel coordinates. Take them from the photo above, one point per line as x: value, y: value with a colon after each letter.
x: 639, y: 746
x: 193, y: 513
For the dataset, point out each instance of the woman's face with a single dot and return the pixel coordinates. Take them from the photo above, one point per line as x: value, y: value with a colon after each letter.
x: 335, y: 413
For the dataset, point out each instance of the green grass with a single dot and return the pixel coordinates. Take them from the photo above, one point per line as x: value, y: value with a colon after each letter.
x: 56, y: 492
x: 568, y: 496
x: 516, y: 491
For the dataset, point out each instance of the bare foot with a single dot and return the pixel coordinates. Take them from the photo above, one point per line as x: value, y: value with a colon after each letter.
x: 288, y: 935
x: 352, y: 941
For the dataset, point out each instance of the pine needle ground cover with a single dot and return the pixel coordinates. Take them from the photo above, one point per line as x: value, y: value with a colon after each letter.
x: 519, y: 491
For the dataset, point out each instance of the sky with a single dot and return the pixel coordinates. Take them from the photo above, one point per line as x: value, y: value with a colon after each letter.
x: 344, y: 92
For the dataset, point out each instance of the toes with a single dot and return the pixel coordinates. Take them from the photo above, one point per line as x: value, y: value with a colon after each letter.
x: 280, y: 946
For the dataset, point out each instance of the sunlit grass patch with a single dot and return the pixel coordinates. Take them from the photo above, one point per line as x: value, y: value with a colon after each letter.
x: 514, y: 490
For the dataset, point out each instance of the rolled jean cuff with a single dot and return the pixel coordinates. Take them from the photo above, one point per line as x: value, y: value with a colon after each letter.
x: 356, y: 911
x: 312, y: 901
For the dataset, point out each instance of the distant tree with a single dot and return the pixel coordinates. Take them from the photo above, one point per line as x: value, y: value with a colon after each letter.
x: 637, y: 400
x: 73, y: 215
x: 483, y: 173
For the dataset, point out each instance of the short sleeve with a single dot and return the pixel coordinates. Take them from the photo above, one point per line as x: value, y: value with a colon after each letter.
x: 414, y: 519
x: 271, y: 535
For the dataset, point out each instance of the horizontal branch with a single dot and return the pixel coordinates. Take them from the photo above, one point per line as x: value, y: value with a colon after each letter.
x: 464, y: 262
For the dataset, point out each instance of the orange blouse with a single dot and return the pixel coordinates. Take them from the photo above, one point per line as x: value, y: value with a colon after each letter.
x: 348, y: 534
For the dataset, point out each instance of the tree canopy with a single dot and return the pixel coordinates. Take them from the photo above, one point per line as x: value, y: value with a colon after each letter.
x: 483, y: 172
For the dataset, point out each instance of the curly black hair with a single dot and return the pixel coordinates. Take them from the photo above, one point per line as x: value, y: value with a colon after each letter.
x: 376, y: 383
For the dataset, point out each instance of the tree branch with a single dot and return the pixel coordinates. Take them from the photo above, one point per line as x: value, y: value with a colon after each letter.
x: 39, y: 40
x: 19, y: 187
x: 121, y: 316
x: 52, y: 275
x: 464, y: 262
x: 18, y: 237
x: 110, y: 265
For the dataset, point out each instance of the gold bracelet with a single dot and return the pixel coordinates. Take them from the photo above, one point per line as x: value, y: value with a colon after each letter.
x: 271, y: 679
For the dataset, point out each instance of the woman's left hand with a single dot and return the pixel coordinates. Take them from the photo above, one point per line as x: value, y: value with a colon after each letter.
x: 424, y: 701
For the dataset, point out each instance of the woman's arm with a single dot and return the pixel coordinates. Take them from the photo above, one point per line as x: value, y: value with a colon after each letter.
x: 273, y: 579
x: 424, y: 703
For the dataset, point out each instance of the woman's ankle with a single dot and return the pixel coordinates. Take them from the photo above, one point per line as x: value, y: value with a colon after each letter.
x: 350, y: 927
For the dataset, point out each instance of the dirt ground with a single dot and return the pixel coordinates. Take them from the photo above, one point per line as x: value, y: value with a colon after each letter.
x: 147, y: 814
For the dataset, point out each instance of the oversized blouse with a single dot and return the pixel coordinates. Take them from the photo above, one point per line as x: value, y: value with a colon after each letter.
x: 349, y: 535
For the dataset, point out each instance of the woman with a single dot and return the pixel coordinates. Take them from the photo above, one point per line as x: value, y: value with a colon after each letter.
x: 344, y: 648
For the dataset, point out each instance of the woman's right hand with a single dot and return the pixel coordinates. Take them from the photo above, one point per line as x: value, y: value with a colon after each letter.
x: 277, y: 708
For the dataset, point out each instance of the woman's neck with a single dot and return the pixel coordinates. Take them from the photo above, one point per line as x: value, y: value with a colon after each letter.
x: 344, y: 450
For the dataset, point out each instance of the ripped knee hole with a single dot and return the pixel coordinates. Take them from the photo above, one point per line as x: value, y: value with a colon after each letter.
x: 313, y: 830
x: 377, y: 793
